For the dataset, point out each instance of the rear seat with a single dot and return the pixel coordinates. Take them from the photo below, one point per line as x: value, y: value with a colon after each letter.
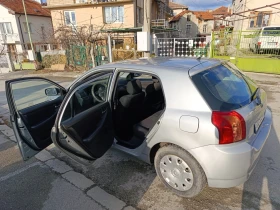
x: 142, y: 128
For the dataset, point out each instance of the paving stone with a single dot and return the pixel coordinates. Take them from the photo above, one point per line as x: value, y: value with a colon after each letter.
x: 129, y: 208
x: 44, y: 155
x: 58, y: 166
x: 106, y: 199
x: 13, y: 138
x: 77, y: 179
x: 3, y: 140
x: 4, y: 127
x: 8, y: 132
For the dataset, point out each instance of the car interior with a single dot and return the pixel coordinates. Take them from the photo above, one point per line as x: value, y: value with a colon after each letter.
x: 138, y: 105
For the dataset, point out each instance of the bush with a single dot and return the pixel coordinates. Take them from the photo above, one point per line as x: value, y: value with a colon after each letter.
x: 49, y: 60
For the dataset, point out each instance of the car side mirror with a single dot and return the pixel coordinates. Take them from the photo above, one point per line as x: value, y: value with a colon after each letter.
x: 52, y: 91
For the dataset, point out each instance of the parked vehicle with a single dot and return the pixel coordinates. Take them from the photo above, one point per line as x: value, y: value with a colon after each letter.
x: 200, y: 122
x: 266, y: 40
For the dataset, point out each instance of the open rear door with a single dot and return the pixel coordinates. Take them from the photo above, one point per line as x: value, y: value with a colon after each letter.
x: 33, y: 104
x: 84, y: 128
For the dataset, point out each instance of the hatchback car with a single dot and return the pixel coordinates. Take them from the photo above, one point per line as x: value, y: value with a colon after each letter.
x: 200, y: 122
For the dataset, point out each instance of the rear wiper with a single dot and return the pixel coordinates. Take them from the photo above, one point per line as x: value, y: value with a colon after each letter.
x: 255, y: 94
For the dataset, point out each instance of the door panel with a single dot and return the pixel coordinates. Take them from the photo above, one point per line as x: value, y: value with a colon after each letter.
x: 84, y: 127
x: 33, y: 112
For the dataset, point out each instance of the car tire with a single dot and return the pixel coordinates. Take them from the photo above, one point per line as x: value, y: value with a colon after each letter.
x: 198, y: 180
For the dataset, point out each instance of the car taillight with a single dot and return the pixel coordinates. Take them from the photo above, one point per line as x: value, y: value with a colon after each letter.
x: 231, y: 126
x: 259, y: 43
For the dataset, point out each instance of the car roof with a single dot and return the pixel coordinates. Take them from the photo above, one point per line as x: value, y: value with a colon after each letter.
x: 159, y: 64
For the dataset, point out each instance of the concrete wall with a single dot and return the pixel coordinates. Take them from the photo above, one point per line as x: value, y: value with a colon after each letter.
x: 243, y: 5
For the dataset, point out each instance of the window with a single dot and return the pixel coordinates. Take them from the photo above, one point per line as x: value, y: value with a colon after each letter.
x: 189, y: 17
x: 188, y: 30
x: 259, y: 19
x: 204, y: 28
x: 87, y: 96
x: 224, y: 88
x: 6, y: 28
x: 30, y: 93
x: 140, y: 15
x: 70, y: 18
x: 25, y: 27
x: 271, y: 31
x: 114, y: 14
x: 81, y: 1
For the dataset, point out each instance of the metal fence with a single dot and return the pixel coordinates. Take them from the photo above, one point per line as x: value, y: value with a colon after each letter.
x: 181, y: 47
x: 246, y: 44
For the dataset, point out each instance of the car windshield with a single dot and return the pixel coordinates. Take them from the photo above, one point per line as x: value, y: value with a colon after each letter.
x: 271, y: 31
x: 224, y: 88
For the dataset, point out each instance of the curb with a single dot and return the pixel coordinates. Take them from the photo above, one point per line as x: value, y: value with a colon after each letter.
x: 67, y: 173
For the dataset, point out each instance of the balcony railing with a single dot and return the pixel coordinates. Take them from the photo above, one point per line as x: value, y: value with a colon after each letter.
x: 160, y: 23
x: 74, y: 2
x: 9, y: 38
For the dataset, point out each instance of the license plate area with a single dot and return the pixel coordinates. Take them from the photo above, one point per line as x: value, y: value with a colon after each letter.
x: 258, y: 124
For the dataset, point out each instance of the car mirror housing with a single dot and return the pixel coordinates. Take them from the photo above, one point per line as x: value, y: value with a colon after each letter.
x: 52, y: 91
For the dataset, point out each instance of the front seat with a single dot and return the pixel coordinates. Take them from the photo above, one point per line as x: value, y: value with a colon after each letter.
x: 129, y: 108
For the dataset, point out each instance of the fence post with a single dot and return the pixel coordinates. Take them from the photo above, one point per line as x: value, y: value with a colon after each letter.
x: 174, y: 46
x: 110, y: 49
x: 156, y: 46
x: 212, y: 44
x: 238, y: 47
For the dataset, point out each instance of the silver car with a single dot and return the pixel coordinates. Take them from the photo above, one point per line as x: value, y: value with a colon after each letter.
x: 200, y: 122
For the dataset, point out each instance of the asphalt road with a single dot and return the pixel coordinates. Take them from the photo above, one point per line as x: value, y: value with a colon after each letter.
x: 133, y: 181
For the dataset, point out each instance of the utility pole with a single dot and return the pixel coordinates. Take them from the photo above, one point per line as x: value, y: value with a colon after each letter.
x: 147, y: 23
x: 28, y: 29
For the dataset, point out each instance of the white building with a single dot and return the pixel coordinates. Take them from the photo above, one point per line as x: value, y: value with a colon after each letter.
x: 14, y: 31
x: 257, y: 17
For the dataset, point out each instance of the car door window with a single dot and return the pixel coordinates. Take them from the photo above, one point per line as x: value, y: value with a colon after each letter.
x: 87, y: 96
x: 27, y: 94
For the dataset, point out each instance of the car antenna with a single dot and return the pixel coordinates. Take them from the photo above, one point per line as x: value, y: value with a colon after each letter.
x: 199, y: 57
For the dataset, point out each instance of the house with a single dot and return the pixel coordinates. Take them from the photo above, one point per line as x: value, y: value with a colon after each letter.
x: 14, y: 31
x: 177, y: 8
x: 193, y: 23
x: 247, y: 15
x: 221, y: 16
x: 122, y: 16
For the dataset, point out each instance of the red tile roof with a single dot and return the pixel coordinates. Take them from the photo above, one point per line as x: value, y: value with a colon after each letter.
x: 199, y: 14
x: 173, y: 5
x: 221, y: 11
x: 32, y: 7
x: 204, y: 15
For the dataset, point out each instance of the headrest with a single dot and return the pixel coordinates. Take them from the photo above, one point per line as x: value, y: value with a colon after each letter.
x: 155, y: 79
x: 134, y: 87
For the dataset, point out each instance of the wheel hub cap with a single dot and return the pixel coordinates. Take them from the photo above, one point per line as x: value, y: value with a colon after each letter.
x: 176, y: 172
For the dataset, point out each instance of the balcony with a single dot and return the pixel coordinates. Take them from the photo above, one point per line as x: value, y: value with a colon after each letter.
x: 160, y: 23
x: 75, y: 3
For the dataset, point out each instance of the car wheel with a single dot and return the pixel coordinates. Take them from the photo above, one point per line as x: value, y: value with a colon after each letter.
x: 179, y: 171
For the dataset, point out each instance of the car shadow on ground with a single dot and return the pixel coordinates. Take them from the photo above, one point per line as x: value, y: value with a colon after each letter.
x: 263, y: 187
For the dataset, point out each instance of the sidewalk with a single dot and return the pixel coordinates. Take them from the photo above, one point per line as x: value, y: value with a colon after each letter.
x: 40, y: 73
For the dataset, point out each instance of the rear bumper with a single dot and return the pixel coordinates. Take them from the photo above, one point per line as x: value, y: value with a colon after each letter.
x: 231, y: 165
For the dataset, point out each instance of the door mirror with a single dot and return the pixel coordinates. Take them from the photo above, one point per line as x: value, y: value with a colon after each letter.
x: 52, y: 91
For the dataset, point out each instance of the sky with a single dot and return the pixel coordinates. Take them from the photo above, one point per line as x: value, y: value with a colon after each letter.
x: 203, y: 4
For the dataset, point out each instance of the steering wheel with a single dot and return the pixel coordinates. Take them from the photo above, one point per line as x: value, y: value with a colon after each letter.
x: 98, y: 92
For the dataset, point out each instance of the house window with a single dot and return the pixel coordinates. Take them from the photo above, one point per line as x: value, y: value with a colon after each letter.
x: 188, y: 29
x: 140, y: 15
x: 25, y: 29
x: 114, y: 14
x: 189, y: 17
x: 259, y: 19
x: 70, y: 18
x: 6, y: 28
x: 204, y: 28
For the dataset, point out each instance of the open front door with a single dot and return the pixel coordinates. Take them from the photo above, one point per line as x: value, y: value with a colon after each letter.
x: 84, y: 128
x: 33, y: 104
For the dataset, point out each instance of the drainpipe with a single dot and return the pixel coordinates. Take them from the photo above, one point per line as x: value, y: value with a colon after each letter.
x: 19, y: 23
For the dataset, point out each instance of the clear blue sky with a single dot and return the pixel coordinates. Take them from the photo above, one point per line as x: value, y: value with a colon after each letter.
x: 204, y: 4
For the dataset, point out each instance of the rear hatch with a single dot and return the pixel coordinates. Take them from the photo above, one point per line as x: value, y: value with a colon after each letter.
x: 227, y: 90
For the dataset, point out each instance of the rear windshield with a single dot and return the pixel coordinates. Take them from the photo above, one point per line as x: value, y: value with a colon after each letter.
x: 271, y: 31
x: 224, y: 88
